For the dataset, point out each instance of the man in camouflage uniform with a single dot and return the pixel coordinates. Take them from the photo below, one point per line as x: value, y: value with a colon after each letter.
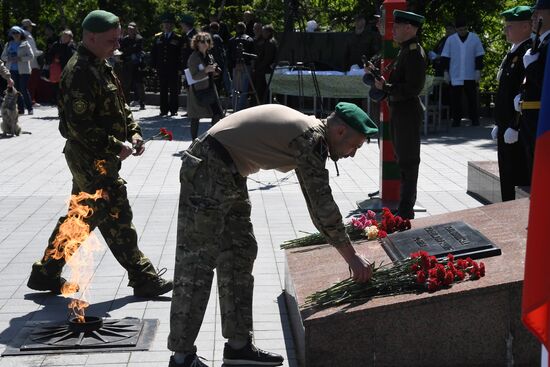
x: 96, y: 122
x: 214, y: 227
x: 403, y: 88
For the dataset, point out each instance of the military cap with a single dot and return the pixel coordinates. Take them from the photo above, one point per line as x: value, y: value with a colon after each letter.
x: 187, y: 19
x: 408, y: 17
x: 168, y: 18
x: 356, y: 118
x: 518, y: 13
x: 99, y: 21
x: 542, y: 4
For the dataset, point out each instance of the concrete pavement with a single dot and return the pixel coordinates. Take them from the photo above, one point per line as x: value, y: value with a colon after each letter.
x: 35, y: 185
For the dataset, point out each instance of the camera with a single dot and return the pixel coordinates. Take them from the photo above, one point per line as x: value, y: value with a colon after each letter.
x: 241, y: 55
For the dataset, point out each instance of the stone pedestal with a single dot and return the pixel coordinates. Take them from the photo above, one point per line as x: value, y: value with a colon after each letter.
x: 474, y: 323
x: 484, y: 181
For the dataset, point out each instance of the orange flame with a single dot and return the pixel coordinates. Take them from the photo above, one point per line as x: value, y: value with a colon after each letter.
x: 77, y: 307
x: 100, y: 166
x: 74, y: 233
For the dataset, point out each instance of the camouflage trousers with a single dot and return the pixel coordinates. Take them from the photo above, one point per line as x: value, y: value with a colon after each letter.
x: 214, y: 232
x: 113, y: 216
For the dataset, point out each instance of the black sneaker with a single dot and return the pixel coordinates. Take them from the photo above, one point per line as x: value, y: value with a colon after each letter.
x: 191, y: 360
x: 154, y: 287
x: 40, y: 282
x: 250, y: 355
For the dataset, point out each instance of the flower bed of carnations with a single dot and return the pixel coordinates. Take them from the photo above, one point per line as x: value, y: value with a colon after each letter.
x: 416, y: 274
x: 365, y: 226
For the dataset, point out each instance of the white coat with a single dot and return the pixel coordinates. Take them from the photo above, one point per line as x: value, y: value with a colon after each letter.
x: 463, y: 56
x: 25, y: 54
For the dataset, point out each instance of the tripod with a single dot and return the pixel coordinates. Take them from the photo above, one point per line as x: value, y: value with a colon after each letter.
x: 242, y: 84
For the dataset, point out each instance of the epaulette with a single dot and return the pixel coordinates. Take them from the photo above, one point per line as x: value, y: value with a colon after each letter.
x: 413, y: 46
x: 158, y: 34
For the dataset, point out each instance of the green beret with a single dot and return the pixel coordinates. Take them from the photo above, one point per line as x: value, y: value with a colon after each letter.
x: 355, y: 117
x: 400, y: 16
x: 187, y: 19
x: 99, y: 21
x: 518, y: 13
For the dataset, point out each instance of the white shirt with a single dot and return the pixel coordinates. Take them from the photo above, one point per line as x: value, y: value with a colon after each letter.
x: 35, y: 51
x: 463, y: 56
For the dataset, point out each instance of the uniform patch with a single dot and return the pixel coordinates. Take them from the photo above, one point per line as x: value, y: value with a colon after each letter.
x: 413, y: 46
x: 80, y: 106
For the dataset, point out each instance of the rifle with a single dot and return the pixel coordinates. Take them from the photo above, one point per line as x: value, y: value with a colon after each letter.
x: 375, y: 74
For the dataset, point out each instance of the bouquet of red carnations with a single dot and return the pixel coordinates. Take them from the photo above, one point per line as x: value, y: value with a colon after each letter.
x: 365, y: 226
x: 418, y: 273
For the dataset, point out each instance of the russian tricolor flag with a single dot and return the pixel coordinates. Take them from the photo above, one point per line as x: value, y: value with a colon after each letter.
x: 536, y: 285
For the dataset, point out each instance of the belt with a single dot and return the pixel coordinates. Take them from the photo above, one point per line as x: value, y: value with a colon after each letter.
x: 530, y: 105
x: 220, y: 150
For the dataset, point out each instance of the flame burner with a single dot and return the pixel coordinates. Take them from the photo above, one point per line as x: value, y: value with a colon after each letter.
x: 92, y: 335
x: 90, y: 324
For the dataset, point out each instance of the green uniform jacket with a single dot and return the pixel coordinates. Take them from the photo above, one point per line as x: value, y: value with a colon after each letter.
x: 92, y: 110
x: 409, y: 72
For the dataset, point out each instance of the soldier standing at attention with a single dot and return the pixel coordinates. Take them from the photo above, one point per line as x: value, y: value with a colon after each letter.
x: 96, y: 123
x: 187, y: 23
x: 511, y: 154
x: 131, y: 47
x: 214, y: 227
x: 403, y: 88
x: 166, y: 59
x: 528, y: 102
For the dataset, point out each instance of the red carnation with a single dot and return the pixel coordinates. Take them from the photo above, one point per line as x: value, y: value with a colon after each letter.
x: 420, y: 277
x: 450, y: 258
x: 433, y: 284
x: 460, y: 275
x: 382, y: 233
x: 481, y: 269
x: 449, y: 278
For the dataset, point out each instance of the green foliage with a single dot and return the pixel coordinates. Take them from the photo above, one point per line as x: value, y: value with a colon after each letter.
x: 332, y: 15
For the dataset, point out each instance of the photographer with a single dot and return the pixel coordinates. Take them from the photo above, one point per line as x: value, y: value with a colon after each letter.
x: 241, y: 48
x: 202, y: 96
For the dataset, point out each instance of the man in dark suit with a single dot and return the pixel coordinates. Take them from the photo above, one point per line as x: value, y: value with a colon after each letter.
x: 187, y: 23
x: 534, y: 61
x: 166, y: 58
x: 511, y: 157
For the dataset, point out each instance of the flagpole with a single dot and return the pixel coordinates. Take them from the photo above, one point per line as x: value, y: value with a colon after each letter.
x: 544, y: 361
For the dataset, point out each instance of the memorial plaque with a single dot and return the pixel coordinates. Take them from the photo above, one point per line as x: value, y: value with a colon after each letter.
x: 456, y: 238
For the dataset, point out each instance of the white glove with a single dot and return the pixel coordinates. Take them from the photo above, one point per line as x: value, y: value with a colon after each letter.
x: 528, y: 58
x: 494, y: 132
x: 510, y: 136
x: 516, y: 103
x: 478, y: 75
x: 446, y: 77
